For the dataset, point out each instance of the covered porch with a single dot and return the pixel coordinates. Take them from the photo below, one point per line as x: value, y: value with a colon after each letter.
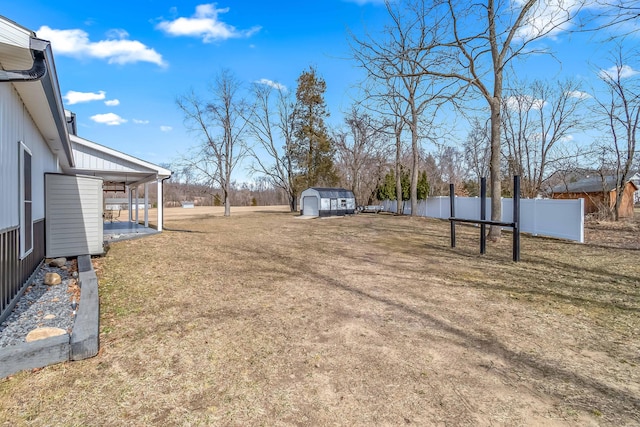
x: 126, y: 174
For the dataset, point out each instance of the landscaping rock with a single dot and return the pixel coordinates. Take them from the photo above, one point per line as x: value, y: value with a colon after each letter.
x: 58, y: 262
x: 52, y: 279
x: 42, y: 333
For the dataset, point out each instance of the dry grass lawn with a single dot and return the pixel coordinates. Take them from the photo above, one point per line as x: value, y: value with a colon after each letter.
x: 267, y: 319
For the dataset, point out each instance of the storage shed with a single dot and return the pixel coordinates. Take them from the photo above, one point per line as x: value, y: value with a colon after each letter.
x: 327, y: 202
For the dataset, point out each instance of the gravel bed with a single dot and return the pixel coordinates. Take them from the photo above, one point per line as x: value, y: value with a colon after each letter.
x: 42, y: 305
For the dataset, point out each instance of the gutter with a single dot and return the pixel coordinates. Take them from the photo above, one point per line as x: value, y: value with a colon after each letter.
x: 44, y: 70
x: 37, y: 71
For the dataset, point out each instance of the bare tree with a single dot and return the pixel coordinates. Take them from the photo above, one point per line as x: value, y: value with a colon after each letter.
x: 272, y: 127
x: 477, y: 149
x: 220, y: 124
x: 538, y: 121
x: 361, y: 154
x: 471, y: 44
x: 620, y: 109
x: 397, y: 63
x: 622, y: 16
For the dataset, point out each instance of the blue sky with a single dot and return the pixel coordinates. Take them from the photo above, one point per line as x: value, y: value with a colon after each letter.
x: 121, y: 65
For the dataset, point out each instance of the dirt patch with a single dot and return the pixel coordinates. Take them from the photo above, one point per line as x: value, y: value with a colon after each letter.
x: 260, y: 319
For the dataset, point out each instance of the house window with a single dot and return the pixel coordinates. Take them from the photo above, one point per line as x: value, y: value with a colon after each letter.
x: 26, y: 202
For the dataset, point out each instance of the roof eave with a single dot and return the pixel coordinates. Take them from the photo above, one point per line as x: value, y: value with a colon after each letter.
x: 41, y: 97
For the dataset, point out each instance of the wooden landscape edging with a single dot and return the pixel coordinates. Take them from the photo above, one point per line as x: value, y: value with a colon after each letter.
x: 83, y: 342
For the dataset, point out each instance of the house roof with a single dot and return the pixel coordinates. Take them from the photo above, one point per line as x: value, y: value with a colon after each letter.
x: 588, y: 185
x: 111, y: 165
x: 41, y: 97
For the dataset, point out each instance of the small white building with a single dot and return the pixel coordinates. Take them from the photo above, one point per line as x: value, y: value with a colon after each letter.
x: 317, y: 201
x: 117, y: 203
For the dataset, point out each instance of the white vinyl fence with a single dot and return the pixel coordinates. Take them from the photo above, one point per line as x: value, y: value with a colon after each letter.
x: 545, y: 217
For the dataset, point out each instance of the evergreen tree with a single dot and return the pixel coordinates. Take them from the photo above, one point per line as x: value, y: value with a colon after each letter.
x: 387, y: 189
x: 423, y: 186
x: 313, y: 149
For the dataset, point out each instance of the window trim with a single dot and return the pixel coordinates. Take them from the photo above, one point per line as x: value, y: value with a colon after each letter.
x: 24, y: 251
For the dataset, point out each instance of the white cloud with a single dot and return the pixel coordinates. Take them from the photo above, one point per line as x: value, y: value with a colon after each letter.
x: 547, y: 18
x: 140, y: 122
x: 271, y: 83
x: 578, y: 94
x: 524, y: 103
x: 205, y: 24
x: 112, y: 102
x: 617, y: 71
x: 166, y: 128
x: 109, y: 119
x: 116, y: 49
x: 73, y: 97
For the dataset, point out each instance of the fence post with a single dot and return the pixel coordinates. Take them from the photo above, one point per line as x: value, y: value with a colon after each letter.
x: 452, y: 211
x: 516, y: 218
x: 483, y: 214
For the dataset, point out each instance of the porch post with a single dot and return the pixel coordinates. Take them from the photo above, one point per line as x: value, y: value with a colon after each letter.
x: 160, y: 204
x: 146, y: 205
x: 129, y: 193
x: 136, y: 203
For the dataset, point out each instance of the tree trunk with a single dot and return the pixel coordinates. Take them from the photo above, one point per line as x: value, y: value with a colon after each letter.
x: 494, y: 167
x: 399, y: 201
x: 416, y: 162
x: 227, y: 200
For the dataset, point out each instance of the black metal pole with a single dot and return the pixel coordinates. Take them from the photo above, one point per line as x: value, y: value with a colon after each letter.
x: 452, y: 205
x: 516, y: 218
x: 483, y: 214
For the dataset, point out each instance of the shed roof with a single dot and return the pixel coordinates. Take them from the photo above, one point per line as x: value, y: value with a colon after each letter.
x: 588, y: 185
x: 327, y: 193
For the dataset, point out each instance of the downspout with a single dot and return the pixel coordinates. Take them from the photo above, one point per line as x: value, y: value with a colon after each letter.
x: 37, y: 71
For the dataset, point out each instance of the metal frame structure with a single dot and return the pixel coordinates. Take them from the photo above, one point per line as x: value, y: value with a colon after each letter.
x: 483, y: 214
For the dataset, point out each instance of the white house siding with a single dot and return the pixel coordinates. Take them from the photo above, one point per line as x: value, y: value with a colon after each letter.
x: 16, y: 125
x: 74, y: 215
x: 91, y: 159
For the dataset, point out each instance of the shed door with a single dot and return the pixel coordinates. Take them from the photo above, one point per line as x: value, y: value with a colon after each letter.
x: 310, y: 206
x: 73, y: 210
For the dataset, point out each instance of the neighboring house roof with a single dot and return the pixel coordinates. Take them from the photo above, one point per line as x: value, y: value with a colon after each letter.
x: 41, y: 96
x: 588, y: 185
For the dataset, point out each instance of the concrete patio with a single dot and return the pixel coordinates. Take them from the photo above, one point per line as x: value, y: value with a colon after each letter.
x: 125, y: 230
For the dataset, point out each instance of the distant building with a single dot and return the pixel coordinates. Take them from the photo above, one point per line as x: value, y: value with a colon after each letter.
x: 122, y: 203
x: 597, y: 194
